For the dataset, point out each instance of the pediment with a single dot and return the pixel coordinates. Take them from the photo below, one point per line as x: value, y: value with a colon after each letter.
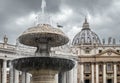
x: 108, y: 53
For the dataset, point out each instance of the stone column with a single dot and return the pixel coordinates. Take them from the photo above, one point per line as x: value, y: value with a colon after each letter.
x: 97, y: 73
x: 16, y: 74
x: 71, y: 76
x: 64, y: 77
x: 104, y: 73
x: 0, y: 73
x: 11, y: 72
x: 75, y: 72
x: 115, y: 73
x: 60, y: 77
x: 23, y: 77
x: 67, y: 77
x: 82, y: 73
x: 92, y: 72
x: 4, y: 72
x: 56, y: 78
x: 28, y: 78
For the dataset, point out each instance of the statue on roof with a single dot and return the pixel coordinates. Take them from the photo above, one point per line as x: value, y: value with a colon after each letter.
x: 5, y: 39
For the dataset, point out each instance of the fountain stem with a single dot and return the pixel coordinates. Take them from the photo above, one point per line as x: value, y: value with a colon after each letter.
x: 42, y: 50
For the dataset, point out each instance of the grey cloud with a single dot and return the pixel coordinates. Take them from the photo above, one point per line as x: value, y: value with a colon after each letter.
x: 93, y: 6
x: 10, y: 10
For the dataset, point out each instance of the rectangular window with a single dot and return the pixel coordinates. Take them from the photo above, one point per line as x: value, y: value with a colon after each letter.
x: 118, y: 51
x: 109, y: 67
x: 87, y: 68
x: 100, y: 67
x: 118, y: 67
x: 87, y: 51
x: 100, y: 51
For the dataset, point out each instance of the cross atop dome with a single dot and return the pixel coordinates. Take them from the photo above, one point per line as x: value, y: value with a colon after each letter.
x: 85, y: 25
x: 86, y: 20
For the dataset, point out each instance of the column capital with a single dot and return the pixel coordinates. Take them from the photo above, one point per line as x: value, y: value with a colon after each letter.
x: 104, y: 63
x: 81, y: 63
x: 4, y: 60
x: 115, y: 63
x: 93, y: 63
x: 96, y: 63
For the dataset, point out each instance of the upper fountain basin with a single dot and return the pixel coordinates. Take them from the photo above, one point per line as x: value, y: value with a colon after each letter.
x: 38, y: 63
x: 43, y: 33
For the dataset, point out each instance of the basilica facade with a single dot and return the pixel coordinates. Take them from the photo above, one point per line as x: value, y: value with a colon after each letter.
x: 98, y: 61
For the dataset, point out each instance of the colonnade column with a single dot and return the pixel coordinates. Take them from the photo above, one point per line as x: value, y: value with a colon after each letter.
x: 93, y: 73
x: 16, y: 76
x: 67, y: 77
x: 23, y: 77
x: 75, y: 72
x: 82, y: 73
x: 97, y: 73
x: 60, y: 78
x: 56, y: 78
x: 4, y: 72
x: 115, y: 73
x: 28, y: 76
x: 71, y: 76
x: 0, y: 73
x: 104, y: 73
x: 11, y: 72
x: 64, y: 77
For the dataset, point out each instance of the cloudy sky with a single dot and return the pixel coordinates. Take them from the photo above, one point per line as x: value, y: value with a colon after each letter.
x: 103, y: 15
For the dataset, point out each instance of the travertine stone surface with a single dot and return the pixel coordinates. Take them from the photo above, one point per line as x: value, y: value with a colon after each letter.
x: 43, y: 33
x: 43, y: 76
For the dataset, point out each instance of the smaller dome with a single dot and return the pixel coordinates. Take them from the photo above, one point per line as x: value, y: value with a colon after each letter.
x: 86, y: 36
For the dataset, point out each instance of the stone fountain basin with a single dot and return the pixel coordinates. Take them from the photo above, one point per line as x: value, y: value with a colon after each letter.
x: 39, y: 63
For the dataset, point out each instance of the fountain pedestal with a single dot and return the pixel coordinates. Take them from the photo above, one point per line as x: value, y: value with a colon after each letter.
x: 43, y: 76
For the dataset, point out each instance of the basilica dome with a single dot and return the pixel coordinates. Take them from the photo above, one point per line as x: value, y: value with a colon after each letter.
x: 86, y: 36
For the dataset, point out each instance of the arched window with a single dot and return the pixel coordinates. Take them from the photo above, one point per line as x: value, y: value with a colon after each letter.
x: 87, y: 50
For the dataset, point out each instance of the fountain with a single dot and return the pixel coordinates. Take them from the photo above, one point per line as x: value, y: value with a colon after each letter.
x: 43, y: 66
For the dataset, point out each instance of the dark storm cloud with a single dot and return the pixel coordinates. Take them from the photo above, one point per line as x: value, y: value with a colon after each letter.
x: 13, y: 9
x: 104, y: 13
x: 93, y: 6
x: 106, y: 10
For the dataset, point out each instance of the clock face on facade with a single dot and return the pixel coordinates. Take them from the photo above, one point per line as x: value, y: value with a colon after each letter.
x: 109, y: 53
